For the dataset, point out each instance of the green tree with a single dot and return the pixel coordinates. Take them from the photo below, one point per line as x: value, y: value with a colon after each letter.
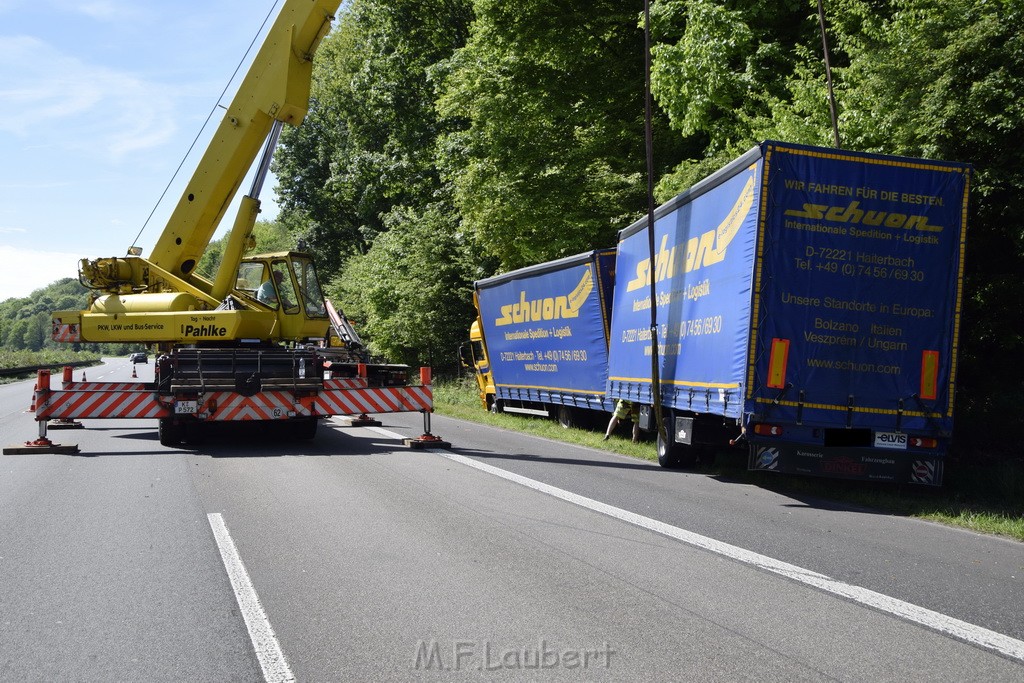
x: 363, y: 165
x: 412, y: 292
x: 268, y: 236
x: 367, y: 145
x: 317, y: 196
x: 551, y: 159
x: 37, y: 331
x: 16, y: 338
x: 716, y: 67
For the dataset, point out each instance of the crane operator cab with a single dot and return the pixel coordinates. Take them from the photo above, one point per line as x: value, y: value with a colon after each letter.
x: 286, y: 282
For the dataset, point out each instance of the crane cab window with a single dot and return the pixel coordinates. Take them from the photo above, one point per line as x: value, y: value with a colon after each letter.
x: 276, y: 288
x: 309, y: 287
x: 249, y: 278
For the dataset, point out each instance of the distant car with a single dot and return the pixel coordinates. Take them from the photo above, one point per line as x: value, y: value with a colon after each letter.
x: 139, y: 357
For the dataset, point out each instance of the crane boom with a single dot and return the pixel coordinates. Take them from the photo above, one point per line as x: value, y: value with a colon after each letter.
x: 276, y: 87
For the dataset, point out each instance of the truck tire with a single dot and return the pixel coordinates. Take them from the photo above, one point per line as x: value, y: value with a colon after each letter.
x: 672, y: 455
x: 566, y: 417
x: 170, y: 434
x: 496, y: 406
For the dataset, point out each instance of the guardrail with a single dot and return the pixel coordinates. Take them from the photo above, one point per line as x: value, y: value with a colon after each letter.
x: 31, y: 369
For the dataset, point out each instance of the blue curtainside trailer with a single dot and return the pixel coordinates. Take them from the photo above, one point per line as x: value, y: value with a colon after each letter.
x: 540, y: 342
x: 805, y: 304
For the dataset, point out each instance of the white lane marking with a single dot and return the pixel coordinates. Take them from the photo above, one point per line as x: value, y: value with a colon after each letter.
x: 268, y: 649
x: 976, y: 635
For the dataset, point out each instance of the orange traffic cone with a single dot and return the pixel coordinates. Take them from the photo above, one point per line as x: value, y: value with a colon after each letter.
x: 83, y: 375
x: 133, y: 371
x: 32, y: 408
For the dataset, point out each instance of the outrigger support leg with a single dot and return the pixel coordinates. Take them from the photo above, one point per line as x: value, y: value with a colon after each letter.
x: 426, y: 439
x: 42, y: 444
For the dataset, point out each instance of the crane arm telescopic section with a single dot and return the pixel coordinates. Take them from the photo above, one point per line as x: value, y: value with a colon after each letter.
x: 276, y: 88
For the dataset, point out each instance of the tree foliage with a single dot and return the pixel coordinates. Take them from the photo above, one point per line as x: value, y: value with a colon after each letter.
x: 409, y: 287
x: 551, y: 159
x: 25, y: 322
x: 363, y: 164
x: 367, y: 144
x: 268, y: 236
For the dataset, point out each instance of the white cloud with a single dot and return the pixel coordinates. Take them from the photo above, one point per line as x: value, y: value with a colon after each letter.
x: 26, y: 270
x: 85, y: 106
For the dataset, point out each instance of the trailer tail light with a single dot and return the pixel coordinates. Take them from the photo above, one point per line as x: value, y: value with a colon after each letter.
x: 768, y: 430
x: 929, y: 375
x: 923, y: 442
x: 777, y: 363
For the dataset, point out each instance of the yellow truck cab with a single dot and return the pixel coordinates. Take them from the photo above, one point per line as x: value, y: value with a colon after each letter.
x: 473, y: 355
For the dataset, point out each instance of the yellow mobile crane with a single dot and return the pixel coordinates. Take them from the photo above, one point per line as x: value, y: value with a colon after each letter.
x: 250, y: 343
x: 161, y: 299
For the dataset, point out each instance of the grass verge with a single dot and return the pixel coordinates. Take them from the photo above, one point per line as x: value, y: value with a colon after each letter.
x: 981, y: 493
x: 53, y: 358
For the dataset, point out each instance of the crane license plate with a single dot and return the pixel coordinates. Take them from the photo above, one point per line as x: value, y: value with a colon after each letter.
x: 186, y: 407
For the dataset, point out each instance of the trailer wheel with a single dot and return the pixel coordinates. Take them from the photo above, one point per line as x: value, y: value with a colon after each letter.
x: 567, y: 417
x: 170, y: 434
x: 672, y: 455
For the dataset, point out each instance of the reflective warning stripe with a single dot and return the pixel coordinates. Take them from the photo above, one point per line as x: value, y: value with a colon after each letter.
x: 777, y: 364
x: 227, y: 406
x: 924, y: 472
x: 101, y: 404
x: 65, y: 333
x: 376, y: 400
x: 267, y: 405
x: 103, y: 386
x: 929, y: 375
x: 345, y: 383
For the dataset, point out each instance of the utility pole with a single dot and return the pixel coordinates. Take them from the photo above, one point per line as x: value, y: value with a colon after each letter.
x: 828, y: 74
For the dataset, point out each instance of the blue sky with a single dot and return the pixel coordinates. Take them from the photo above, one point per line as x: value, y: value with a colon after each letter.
x: 101, y: 100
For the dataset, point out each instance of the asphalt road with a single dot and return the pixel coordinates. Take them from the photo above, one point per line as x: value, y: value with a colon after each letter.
x: 506, y: 558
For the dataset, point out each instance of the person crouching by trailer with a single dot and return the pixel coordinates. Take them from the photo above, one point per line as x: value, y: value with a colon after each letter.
x: 624, y: 409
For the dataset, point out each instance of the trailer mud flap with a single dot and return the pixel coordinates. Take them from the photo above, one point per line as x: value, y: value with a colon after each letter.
x: 682, y: 428
x: 646, y: 419
x: 846, y: 463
